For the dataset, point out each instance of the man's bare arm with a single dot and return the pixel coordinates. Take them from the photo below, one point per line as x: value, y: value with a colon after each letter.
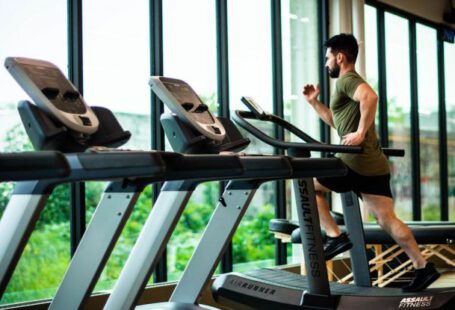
x: 324, y: 112
x: 368, y: 101
x: 311, y: 94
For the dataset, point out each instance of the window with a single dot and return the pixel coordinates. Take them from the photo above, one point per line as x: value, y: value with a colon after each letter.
x: 250, y: 74
x: 411, y: 47
x: 116, y: 72
x: 301, y: 65
x: 190, y: 55
x: 300, y: 62
x: 428, y: 103
x: 371, y: 54
x: 371, y: 47
x: 117, y: 63
x: 398, y: 110
x: 35, y: 30
x: 449, y: 56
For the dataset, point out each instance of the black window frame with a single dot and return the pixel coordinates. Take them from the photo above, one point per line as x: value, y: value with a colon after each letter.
x: 75, y: 60
x: 413, y: 20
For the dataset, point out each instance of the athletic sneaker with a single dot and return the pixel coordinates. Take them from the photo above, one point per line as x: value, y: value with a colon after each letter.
x: 422, y: 278
x: 336, y: 245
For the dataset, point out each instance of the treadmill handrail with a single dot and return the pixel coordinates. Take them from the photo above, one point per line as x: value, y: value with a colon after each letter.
x: 311, y: 144
x: 22, y: 166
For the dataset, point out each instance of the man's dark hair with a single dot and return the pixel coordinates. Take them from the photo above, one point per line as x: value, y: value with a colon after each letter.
x: 344, y: 43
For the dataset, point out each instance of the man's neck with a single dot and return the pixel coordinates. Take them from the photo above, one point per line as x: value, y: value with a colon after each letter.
x: 346, y: 69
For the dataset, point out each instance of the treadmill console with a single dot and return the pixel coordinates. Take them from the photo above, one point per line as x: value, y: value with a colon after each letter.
x: 183, y: 101
x: 254, y: 107
x: 53, y: 92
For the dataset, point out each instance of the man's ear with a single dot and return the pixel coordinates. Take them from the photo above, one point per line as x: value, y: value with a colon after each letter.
x: 340, y: 57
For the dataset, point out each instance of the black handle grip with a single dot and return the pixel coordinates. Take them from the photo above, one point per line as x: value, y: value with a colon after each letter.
x: 310, y: 144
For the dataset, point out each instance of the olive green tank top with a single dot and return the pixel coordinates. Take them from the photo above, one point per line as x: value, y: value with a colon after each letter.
x: 346, y: 117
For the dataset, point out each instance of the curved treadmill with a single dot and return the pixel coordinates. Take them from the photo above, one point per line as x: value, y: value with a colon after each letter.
x: 277, y: 289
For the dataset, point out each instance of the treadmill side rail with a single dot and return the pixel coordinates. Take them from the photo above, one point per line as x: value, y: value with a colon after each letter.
x: 250, y: 288
x: 237, y: 290
x: 420, y: 300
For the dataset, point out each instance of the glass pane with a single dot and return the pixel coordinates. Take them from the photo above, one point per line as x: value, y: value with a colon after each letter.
x: 371, y: 54
x: 398, y: 111
x: 190, y: 50
x: 301, y: 66
x: 34, y: 29
x: 190, y: 55
x: 250, y: 74
x: 116, y: 73
x: 250, y: 55
x: 449, y: 56
x: 371, y: 47
x: 300, y: 62
x: 427, y: 79
x: 117, y: 63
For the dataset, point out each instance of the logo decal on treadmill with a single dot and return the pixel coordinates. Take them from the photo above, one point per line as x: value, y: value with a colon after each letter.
x: 316, y: 268
x: 415, y: 302
x: 252, y: 287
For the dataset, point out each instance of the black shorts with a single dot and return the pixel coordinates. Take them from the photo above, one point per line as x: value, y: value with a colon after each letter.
x: 375, y: 185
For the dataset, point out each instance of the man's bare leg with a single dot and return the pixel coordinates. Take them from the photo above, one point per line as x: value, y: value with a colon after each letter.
x: 326, y: 219
x: 382, y: 208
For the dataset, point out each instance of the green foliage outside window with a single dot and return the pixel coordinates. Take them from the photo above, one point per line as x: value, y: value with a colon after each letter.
x: 260, y: 243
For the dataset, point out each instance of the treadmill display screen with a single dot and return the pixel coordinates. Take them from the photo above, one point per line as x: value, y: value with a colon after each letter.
x: 253, y: 105
x: 187, y: 97
x: 56, y: 88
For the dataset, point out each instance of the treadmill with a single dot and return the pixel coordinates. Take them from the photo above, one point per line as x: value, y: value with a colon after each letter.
x: 61, y: 120
x: 188, y: 127
x: 277, y: 289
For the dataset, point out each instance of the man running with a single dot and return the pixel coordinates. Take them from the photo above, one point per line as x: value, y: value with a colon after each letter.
x: 352, y: 113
